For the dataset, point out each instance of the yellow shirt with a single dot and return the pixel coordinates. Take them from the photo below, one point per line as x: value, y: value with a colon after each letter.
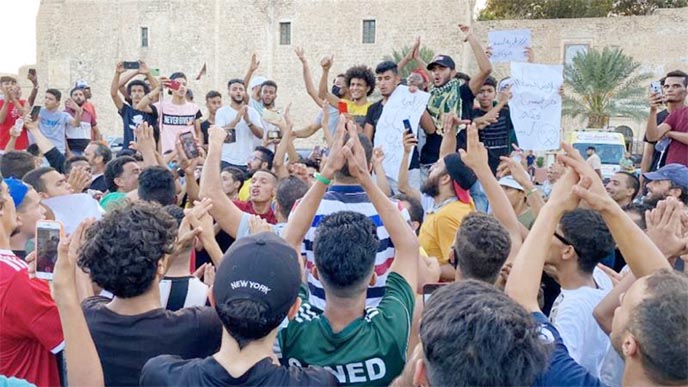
x: 358, y: 112
x: 245, y: 191
x: 439, y: 228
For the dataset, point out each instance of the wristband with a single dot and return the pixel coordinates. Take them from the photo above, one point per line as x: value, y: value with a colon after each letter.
x: 322, y: 179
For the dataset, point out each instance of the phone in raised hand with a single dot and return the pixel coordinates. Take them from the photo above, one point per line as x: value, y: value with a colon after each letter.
x: 656, y: 88
x: 189, y: 145
x: 48, y: 234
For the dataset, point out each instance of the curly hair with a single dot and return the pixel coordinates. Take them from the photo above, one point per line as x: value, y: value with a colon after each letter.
x: 122, y: 250
x: 362, y: 72
x: 481, y: 248
x: 474, y: 335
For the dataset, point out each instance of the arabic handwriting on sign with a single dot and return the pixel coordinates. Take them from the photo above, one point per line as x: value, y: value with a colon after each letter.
x: 509, y: 45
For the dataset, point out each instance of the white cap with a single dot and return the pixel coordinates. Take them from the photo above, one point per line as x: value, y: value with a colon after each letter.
x: 81, y: 84
x: 509, y: 181
x: 256, y: 81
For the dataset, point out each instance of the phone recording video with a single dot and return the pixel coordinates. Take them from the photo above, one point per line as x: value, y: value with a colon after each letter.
x: 428, y: 289
x: 131, y: 65
x: 407, y: 127
x: 189, y: 145
x: 35, y: 111
x: 48, y: 235
x: 231, y: 136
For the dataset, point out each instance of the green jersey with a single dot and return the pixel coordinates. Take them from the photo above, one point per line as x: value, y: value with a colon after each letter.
x: 371, y: 351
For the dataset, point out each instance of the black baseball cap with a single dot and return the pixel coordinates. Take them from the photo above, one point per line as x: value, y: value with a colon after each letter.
x: 462, y: 176
x: 262, y: 268
x: 442, y: 60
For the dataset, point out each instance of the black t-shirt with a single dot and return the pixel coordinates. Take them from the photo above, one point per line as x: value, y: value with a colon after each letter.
x: 205, y: 125
x: 56, y: 159
x: 497, y: 137
x: 128, y: 113
x: 169, y: 370
x: 125, y: 343
x: 431, y: 150
x: 99, y: 184
x: 372, y: 118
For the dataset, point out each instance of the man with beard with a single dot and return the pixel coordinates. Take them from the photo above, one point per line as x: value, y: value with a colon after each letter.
x: 244, y: 120
x: 78, y: 137
x: 448, y: 184
x: 623, y: 188
x: 261, y: 159
x: 670, y: 180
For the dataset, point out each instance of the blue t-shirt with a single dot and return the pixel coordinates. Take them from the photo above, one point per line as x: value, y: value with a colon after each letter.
x: 130, y: 118
x: 53, y: 125
x: 562, y: 371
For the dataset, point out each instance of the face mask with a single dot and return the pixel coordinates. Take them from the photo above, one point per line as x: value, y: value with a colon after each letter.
x: 336, y: 90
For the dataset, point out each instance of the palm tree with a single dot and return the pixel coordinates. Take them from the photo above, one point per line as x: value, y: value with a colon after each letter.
x: 604, y: 84
x: 426, y: 54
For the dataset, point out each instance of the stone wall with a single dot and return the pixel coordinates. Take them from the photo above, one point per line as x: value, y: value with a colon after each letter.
x: 83, y: 39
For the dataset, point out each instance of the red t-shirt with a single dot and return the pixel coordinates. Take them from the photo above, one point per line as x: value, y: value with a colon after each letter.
x: 247, y: 207
x: 5, y: 126
x: 678, y: 151
x: 30, y: 332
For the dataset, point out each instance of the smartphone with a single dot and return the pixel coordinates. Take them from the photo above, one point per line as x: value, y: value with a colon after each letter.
x: 32, y: 71
x: 428, y: 289
x: 407, y: 126
x: 271, y: 115
x: 231, y: 136
x: 174, y: 85
x: 155, y: 72
x: 131, y: 65
x: 48, y: 234
x: 35, y: 111
x: 274, y: 134
x: 656, y: 87
x: 189, y: 145
x: 343, y: 108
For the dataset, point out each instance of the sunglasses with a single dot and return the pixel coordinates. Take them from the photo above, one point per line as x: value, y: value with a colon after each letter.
x: 565, y: 241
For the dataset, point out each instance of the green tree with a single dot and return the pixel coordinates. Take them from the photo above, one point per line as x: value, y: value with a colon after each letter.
x: 544, y: 9
x: 426, y: 54
x: 604, y: 84
x: 645, y: 7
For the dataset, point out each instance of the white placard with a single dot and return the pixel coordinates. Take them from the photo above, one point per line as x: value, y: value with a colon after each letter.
x: 509, y: 45
x: 401, y: 105
x: 73, y: 209
x: 535, y: 107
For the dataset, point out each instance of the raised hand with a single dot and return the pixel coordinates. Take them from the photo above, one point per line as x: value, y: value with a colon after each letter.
x: 466, y: 30
x: 143, y: 68
x: 410, y: 141
x: 253, y: 66
x: 300, y: 54
x: 326, y: 62
x: 79, y: 179
x: 119, y: 67
x: 475, y: 155
x: 665, y: 228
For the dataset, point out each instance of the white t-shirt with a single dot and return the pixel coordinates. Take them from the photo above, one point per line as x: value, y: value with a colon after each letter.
x: 238, y: 152
x: 594, y: 161
x: 195, y: 292
x: 572, y: 316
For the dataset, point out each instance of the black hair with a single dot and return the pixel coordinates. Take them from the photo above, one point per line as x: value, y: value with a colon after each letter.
x: 177, y: 75
x: 103, y: 151
x: 683, y: 197
x: 138, y: 82
x: 114, y: 169
x: 385, y: 66
x: 660, y: 324
x: 631, y: 182
x: 490, y: 81
x: 68, y: 163
x: 415, y: 210
x: 589, y: 235
x: 462, y: 76
x: 56, y: 93
x: 35, y: 178
x: 474, y: 335
x: 17, y: 164
x: 289, y: 190
x: 638, y: 210
x: 71, y: 92
x: 235, y: 80
x: 678, y: 74
x: 361, y: 72
x: 268, y: 83
x: 156, y: 184
x: 311, y: 164
x: 122, y: 250
x: 34, y: 150
x: 212, y: 94
x: 591, y: 148
x: 367, y: 148
x: 247, y: 320
x: 344, y: 247
x: 176, y: 212
x: 268, y: 155
x: 482, y: 246
x: 237, y: 174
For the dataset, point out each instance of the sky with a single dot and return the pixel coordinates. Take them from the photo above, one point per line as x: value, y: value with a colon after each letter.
x: 18, y: 48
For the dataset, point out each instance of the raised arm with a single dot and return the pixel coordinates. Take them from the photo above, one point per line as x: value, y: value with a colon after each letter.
x: 410, y: 55
x: 252, y: 67
x: 307, y: 79
x: 379, y: 169
x: 484, y: 65
x: 34, y: 90
x: 114, y: 87
x: 144, y: 104
x: 533, y: 195
x: 224, y: 211
x: 403, y: 185
x: 405, y: 241
x: 323, y: 92
x: 475, y: 157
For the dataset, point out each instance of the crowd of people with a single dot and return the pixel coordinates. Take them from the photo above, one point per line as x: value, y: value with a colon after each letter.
x: 209, y: 252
